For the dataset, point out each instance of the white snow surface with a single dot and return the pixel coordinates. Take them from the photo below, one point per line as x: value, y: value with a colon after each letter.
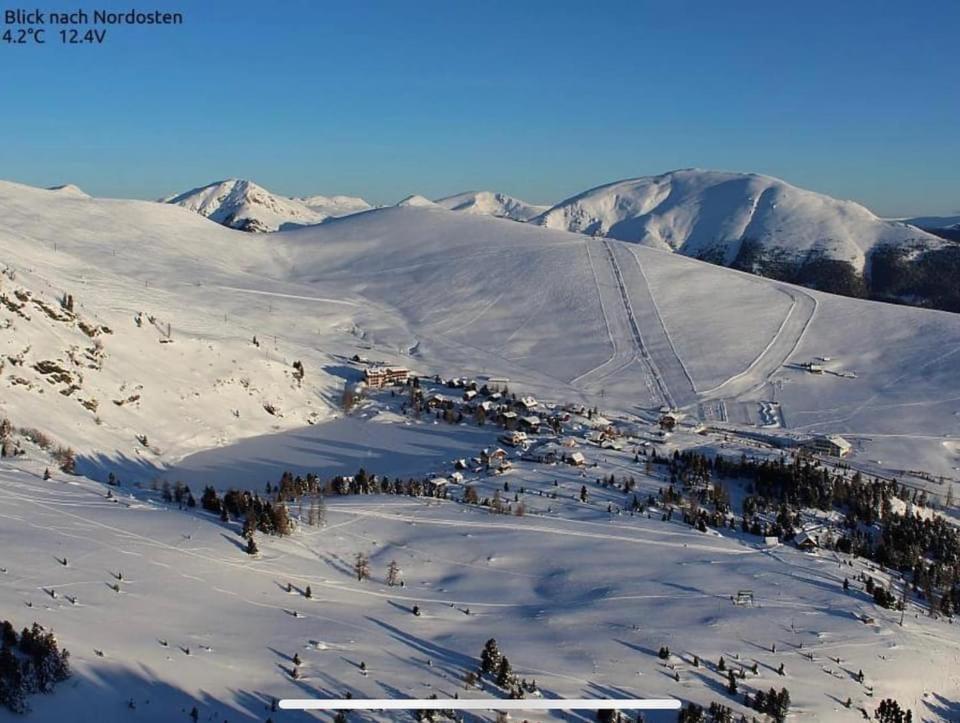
x: 579, y: 599
x: 710, y: 213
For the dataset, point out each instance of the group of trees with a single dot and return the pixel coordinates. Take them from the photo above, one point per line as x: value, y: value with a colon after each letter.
x: 495, y: 665
x: 31, y: 662
x: 774, y: 703
x: 926, y: 549
x: 259, y: 515
x: 715, y: 713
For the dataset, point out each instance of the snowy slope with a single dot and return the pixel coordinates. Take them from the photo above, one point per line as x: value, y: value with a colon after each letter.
x: 567, y: 316
x: 489, y: 203
x: 709, y: 214
x: 580, y: 599
x: 246, y: 206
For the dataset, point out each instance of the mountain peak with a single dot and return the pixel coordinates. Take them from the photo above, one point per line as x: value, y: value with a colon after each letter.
x: 492, y: 203
x: 417, y: 201
x: 242, y: 204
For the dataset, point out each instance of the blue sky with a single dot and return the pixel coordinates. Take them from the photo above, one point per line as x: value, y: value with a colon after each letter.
x: 538, y: 99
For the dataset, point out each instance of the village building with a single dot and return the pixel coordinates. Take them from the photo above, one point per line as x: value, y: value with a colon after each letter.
x: 831, y: 445
x: 379, y: 377
x: 806, y: 542
x: 576, y: 459
x: 514, y: 439
x: 530, y: 424
x: 491, y: 458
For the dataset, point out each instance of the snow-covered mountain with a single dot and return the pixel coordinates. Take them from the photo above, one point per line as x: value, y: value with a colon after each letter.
x: 490, y: 203
x: 244, y: 205
x: 754, y: 223
x: 712, y: 214
x: 934, y: 222
x: 416, y: 201
x: 947, y: 227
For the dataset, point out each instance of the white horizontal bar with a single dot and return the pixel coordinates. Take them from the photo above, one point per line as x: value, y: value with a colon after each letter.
x: 480, y: 704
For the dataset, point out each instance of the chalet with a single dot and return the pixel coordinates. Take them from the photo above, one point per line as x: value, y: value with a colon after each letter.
x: 831, y: 445
x: 514, y: 439
x: 509, y: 419
x: 530, y: 424
x: 379, y: 377
x: 812, y: 368
x: 469, y: 395
x: 434, y: 401
x: 806, y: 542
x: 576, y: 459
x: 460, y: 464
x: 495, y: 457
x: 527, y: 403
x: 457, y: 478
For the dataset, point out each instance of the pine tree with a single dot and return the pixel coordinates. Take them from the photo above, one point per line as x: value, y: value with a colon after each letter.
x: 490, y: 657
x: 252, y: 548
x: 731, y: 683
x: 308, y: 593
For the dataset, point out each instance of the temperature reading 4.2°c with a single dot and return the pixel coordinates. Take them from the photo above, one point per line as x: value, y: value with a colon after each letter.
x: 38, y: 36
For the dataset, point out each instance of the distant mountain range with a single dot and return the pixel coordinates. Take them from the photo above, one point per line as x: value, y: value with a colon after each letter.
x: 947, y: 227
x: 245, y: 206
x: 745, y: 221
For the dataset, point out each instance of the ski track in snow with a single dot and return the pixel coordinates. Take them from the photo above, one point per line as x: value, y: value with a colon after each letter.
x: 780, y: 348
x: 621, y: 327
x: 641, y: 352
x: 654, y: 332
x: 279, y: 295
